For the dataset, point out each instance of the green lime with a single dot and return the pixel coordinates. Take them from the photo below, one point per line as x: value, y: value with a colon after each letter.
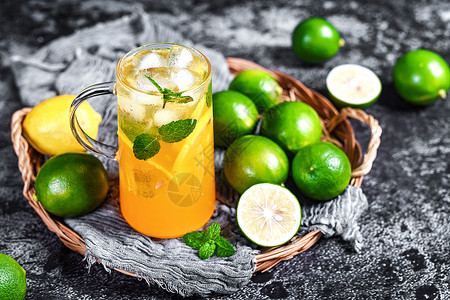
x: 292, y: 125
x: 253, y: 159
x: 353, y: 85
x: 421, y: 77
x: 71, y: 184
x: 321, y: 171
x: 269, y: 215
x: 234, y: 115
x: 316, y: 40
x: 13, y: 285
x: 259, y: 86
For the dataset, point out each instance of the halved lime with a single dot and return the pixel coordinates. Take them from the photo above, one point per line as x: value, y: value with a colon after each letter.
x: 268, y: 214
x: 353, y: 85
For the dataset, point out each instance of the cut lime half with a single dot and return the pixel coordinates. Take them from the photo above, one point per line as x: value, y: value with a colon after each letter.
x: 268, y: 214
x: 353, y: 85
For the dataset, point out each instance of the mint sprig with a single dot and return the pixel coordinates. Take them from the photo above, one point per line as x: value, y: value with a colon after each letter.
x: 170, y: 96
x: 147, y: 145
x: 209, y: 242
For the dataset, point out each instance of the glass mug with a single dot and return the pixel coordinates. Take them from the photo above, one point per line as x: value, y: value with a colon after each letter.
x: 166, y: 139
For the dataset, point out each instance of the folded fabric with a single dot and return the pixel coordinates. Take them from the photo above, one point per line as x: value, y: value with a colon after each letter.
x: 337, y: 217
x: 169, y: 263
x: 89, y: 56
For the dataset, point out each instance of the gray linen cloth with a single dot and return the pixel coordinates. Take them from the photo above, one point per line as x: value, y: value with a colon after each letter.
x: 89, y: 56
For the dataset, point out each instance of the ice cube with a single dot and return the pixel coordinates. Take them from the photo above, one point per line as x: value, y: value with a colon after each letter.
x: 165, y: 116
x: 160, y: 75
x: 179, y: 57
x: 183, y: 79
x: 136, y: 110
x: 143, y: 83
x: 147, y: 99
x: 152, y: 60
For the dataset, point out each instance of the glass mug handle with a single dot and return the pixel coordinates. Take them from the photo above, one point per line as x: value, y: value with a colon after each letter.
x: 100, y: 89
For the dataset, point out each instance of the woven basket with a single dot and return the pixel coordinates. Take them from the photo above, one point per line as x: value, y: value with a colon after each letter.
x: 336, y: 129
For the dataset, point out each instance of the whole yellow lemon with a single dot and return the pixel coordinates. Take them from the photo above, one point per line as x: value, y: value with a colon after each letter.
x: 47, y: 128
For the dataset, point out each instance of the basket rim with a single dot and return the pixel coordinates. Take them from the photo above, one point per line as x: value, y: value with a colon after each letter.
x: 29, y: 163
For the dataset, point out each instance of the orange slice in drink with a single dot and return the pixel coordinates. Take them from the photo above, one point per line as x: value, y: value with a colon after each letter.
x: 186, y: 153
x: 145, y: 178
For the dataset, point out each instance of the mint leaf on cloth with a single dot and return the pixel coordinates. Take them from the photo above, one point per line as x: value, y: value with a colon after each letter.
x: 223, y: 247
x: 177, y: 130
x: 146, y: 146
x: 207, y: 250
x: 213, y: 231
x: 195, y: 239
x: 209, y: 242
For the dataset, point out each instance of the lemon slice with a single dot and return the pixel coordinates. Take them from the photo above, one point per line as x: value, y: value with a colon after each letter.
x: 268, y: 214
x: 192, y: 140
x: 353, y: 85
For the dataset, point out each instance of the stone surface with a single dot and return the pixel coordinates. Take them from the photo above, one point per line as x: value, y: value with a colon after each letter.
x: 407, y: 225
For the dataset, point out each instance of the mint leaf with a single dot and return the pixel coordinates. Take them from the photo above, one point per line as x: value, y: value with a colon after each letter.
x: 213, y: 231
x: 223, y: 247
x: 177, y: 130
x: 146, y: 146
x: 195, y: 239
x: 207, y: 250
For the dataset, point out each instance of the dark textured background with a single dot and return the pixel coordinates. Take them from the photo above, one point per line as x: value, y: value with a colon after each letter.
x: 407, y: 226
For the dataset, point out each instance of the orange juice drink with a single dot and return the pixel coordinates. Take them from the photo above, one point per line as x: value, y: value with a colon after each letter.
x: 166, y: 147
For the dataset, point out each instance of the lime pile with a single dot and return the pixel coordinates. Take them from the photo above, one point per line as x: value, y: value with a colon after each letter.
x: 13, y: 285
x: 257, y: 166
